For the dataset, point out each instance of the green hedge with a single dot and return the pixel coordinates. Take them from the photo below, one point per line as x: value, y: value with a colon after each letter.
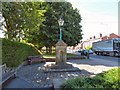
x: 14, y: 53
x: 109, y: 79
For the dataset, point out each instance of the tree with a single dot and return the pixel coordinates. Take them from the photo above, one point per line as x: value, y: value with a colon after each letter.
x: 37, y: 22
x: 22, y: 19
x: 71, y: 29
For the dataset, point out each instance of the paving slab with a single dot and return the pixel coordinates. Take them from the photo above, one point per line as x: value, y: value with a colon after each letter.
x: 19, y: 83
x: 58, y: 82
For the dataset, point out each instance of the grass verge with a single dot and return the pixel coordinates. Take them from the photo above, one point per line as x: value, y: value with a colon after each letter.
x: 53, y: 55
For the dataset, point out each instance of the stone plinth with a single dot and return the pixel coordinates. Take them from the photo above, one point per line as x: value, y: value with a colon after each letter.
x: 61, y: 54
x: 59, y: 68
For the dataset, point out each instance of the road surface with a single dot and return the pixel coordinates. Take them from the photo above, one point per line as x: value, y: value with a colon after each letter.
x: 100, y: 57
x: 107, y: 58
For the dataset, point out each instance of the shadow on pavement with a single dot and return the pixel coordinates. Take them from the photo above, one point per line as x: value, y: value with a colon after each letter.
x: 32, y: 73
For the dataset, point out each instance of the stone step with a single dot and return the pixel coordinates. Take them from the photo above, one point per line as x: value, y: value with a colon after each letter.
x: 62, y: 70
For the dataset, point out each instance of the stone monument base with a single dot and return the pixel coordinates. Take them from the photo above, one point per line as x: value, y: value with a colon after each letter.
x: 59, y: 68
x: 62, y: 66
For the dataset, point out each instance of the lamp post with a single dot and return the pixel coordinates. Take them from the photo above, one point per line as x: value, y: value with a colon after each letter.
x: 106, y: 25
x: 60, y: 22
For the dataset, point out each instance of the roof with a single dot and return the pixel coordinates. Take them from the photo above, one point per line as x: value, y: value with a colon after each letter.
x: 61, y: 43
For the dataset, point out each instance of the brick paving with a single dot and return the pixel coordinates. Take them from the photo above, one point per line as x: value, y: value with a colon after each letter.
x: 34, y: 75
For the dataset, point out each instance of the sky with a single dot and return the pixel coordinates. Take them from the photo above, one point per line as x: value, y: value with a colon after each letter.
x: 98, y: 16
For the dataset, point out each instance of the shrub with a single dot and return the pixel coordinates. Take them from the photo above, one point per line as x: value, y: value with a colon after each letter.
x: 107, y: 79
x: 14, y: 53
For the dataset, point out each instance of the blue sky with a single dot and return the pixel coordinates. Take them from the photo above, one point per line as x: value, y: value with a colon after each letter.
x: 98, y: 16
x: 102, y: 7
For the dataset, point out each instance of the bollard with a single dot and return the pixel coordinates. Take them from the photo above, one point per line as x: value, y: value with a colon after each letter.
x: 87, y: 55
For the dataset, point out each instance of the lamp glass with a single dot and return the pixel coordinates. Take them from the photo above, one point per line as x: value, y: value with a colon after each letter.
x: 61, y: 22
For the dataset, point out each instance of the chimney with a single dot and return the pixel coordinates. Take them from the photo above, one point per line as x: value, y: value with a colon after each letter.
x: 100, y: 35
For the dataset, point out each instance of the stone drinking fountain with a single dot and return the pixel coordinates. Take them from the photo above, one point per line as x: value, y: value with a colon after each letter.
x: 61, y: 56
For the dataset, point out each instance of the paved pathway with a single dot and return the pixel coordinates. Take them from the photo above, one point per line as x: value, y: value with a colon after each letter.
x: 32, y: 76
x: 19, y: 83
x: 94, y: 66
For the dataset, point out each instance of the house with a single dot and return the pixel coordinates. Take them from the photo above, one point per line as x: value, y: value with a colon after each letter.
x: 88, y: 42
x: 112, y: 35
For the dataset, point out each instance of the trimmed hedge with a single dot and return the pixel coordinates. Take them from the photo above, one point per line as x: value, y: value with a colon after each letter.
x: 109, y: 79
x: 14, y: 53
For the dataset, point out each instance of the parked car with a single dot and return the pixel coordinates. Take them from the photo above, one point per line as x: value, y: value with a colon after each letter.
x: 79, y: 51
x: 90, y: 52
x: 84, y: 52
